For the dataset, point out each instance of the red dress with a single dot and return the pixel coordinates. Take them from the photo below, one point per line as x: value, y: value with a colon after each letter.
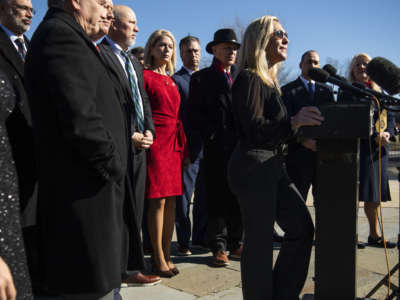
x: 164, y: 160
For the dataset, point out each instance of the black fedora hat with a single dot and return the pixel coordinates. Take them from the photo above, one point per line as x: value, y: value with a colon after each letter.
x: 225, y: 35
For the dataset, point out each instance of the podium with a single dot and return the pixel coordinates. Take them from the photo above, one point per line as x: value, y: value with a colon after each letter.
x: 336, y: 197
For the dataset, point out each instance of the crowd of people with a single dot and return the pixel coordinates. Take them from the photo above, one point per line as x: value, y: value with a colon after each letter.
x: 103, y: 150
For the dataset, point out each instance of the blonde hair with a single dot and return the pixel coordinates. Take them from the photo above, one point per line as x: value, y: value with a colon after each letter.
x: 353, y: 63
x: 252, y: 55
x: 151, y: 42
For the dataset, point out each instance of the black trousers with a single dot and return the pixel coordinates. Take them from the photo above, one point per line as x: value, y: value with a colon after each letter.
x: 259, y: 179
x: 301, y: 169
x: 225, y: 229
x: 139, y: 173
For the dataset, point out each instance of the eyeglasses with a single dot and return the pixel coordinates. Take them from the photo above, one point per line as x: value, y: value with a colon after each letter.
x: 280, y: 34
x: 25, y: 9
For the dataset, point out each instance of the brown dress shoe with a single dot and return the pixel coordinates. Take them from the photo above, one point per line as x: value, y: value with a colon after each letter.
x: 236, y: 254
x: 220, y: 259
x: 139, y: 279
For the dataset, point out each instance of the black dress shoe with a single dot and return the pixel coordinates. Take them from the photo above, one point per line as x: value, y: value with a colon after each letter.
x: 361, y: 245
x: 379, y: 243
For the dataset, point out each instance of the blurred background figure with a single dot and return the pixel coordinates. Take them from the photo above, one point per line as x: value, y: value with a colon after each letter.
x: 138, y: 53
x: 193, y: 180
x: 369, y: 166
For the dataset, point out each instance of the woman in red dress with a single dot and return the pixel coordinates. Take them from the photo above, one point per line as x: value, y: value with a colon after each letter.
x: 164, y: 160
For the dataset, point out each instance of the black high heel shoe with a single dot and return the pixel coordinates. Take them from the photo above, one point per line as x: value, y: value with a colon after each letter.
x: 175, y: 270
x: 165, y: 274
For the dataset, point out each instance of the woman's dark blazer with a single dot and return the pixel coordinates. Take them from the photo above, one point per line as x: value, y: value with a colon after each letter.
x: 368, y: 161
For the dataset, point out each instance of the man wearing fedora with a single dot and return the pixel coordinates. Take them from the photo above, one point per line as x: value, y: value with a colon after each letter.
x: 209, y: 107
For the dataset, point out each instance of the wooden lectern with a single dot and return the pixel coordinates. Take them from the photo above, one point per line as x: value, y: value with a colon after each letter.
x: 336, y: 197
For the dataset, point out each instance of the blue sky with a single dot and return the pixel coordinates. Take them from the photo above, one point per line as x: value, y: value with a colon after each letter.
x: 336, y: 29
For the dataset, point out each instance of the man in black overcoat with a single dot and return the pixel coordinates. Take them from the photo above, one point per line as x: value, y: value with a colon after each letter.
x: 301, y: 158
x: 121, y: 36
x: 209, y: 107
x: 83, y: 141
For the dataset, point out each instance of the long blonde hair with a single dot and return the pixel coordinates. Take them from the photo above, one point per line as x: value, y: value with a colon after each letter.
x: 153, y: 39
x: 353, y: 63
x: 252, y: 54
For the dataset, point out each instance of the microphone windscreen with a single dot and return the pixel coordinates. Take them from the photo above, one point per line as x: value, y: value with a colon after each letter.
x: 318, y: 74
x: 385, y: 74
x: 359, y: 85
x: 330, y: 69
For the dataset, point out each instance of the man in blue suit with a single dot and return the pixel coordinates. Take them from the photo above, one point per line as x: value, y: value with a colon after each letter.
x: 190, y: 54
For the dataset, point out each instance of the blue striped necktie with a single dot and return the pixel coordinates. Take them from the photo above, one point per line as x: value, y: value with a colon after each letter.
x: 135, y: 92
x: 21, y: 49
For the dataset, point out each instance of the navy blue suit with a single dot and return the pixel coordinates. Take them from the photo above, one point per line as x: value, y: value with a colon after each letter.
x: 193, y: 176
x: 301, y: 161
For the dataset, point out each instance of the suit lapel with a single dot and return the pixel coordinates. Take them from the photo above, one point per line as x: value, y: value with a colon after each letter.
x: 10, y: 53
x: 223, y: 87
x: 115, y: 65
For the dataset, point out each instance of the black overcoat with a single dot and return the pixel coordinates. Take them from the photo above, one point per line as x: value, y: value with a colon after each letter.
x: 210, y: 114
x: 82, y: 140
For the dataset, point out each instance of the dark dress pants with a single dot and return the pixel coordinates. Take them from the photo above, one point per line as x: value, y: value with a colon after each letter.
x: 260, y: 181
x: 200, y: 214
x: 301, y: 170
x: 139, y: 173
x: 225, y: 230
x: 192, y: 182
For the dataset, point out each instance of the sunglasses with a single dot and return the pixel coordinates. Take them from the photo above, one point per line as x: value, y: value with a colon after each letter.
x: 280, y: 34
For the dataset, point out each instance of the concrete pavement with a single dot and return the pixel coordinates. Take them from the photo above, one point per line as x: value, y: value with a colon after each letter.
x: 198, y: 280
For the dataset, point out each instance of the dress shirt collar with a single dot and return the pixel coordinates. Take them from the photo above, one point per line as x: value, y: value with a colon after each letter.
x: 189, y: 70
x: 305, y: 82
x: 114, y: 46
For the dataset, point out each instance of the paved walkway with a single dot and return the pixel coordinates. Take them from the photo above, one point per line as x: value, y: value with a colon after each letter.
x: 198, y: 280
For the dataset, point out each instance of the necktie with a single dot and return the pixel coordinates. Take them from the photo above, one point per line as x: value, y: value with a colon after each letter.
x: 21, y: 49
x: 135, y: 92
x: 229, y: 78
x: 310, y: 91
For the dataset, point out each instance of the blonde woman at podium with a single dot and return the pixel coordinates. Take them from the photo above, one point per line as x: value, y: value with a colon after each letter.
x: 257, y: 173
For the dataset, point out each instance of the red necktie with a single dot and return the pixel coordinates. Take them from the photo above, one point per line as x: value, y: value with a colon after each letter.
x: 229, y: 78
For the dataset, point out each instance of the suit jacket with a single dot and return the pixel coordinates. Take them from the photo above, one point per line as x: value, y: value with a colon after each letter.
x: 114, y: 63
x: 81, y: 129
x: 182, y: 80
x: 19, y: 129
x: 210, y: 99
x: 296, y: 96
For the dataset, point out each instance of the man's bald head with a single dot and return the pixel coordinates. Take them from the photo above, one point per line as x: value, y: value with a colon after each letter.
x: 124, y: 28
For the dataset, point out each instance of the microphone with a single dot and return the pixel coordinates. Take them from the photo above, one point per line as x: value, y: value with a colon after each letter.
x: 385, y: 74
x: 377, y: 94
x: 320, y: 75
x: 333, y: 72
